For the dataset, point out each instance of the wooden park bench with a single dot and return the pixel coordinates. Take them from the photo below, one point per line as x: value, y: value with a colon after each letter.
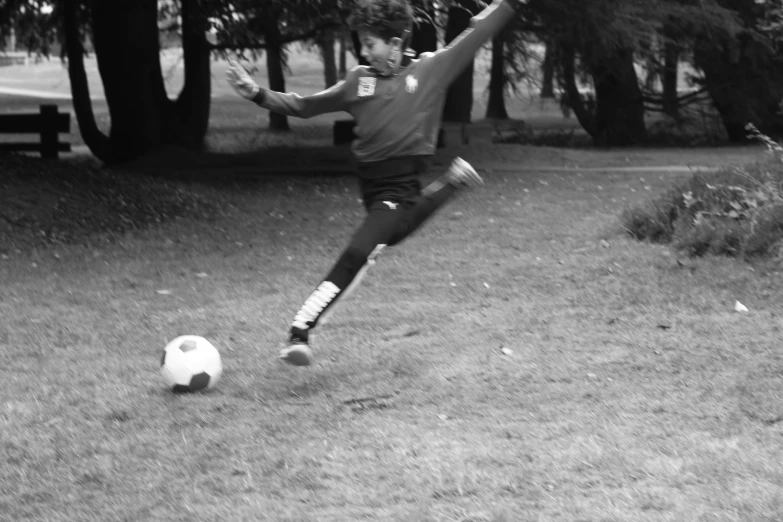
x: 48, y: 124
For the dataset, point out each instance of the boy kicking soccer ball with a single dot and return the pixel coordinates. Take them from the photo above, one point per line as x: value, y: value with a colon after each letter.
x: 397, y: 104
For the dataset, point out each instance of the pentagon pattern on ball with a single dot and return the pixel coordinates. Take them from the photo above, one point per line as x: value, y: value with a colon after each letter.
x: 197, y: 382
x: 190, y: 363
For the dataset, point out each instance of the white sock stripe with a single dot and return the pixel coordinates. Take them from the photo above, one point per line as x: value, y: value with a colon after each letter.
x: 315, y: 304
x: 433, y: 187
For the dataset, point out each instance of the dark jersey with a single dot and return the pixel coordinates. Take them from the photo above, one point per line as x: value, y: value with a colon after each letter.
x: 398, y: 116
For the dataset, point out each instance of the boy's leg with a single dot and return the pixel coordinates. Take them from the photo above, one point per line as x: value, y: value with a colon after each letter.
x: 368, y: 241
x: 436, y: 194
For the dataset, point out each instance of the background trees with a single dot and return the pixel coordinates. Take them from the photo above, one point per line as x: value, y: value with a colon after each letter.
x: 612, y: 62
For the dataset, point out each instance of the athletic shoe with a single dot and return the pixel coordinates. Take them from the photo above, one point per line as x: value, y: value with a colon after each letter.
x: 462, y: 174
x: 298, y: 354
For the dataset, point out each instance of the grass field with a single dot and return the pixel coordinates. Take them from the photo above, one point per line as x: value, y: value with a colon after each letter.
x: 628, y: 390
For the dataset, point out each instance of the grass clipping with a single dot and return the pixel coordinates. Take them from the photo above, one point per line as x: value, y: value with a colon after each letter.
x: 736, y: 211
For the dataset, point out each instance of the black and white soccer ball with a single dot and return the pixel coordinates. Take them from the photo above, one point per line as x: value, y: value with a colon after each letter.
x: 190, y: 363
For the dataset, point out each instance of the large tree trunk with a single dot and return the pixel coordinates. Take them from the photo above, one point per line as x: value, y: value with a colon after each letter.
x: 125, y: 39
x: 548, y: 71
x: 745, y: 81
x: 619, y: 115
x: 496, y: 106
x: 459, y: 99
x: 194, y: 101
x: 343, y: 55
x: 274, y: 65
x: 125, y: 35
x: 326, y: 43
x: 96, y: 140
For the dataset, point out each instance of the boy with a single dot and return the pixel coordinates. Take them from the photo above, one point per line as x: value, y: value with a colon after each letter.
x: 397, y: 104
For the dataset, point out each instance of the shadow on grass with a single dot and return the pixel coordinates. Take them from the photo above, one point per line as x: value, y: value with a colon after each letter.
x: 67, y: 201
x: 180, y: 164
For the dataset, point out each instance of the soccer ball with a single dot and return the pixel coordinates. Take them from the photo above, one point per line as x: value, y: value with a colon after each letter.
x: 190, y: 363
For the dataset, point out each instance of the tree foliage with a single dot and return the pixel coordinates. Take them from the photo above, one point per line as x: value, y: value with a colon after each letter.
x: 735, y: 47
x: 36, y: 24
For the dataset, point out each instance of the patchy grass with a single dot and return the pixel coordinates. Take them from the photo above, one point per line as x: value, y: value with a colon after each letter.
x: 632, y: 390
x: 628, y: 390
x: 76, y: 201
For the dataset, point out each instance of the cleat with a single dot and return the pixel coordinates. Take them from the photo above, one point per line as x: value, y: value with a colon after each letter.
x: 297, y: 354
x: 462, y: 174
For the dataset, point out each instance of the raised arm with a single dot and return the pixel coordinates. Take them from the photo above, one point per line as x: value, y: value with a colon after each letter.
x: 289, y: 104
x: 450, y: 61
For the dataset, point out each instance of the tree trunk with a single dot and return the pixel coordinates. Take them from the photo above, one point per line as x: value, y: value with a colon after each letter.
x: 619, y: 116
x: 496, y: 106
x: 194, y: 101
x: 567, y: 57
x: 425, y: 35
x: 96, y: 140
x: 125, y: 36
x: 274, y: 65
x: 745, y: 83
x: 125, y: 41
x: 548, y: 71
x: 671, y: 58
x: 459, y: 99
x: 343, y: 56
x: 326, y: 44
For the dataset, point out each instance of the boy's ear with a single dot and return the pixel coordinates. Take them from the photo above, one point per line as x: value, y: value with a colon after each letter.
x: 396, y: 42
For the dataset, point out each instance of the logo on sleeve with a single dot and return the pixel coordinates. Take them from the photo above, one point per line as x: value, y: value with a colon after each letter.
x: 411, y: 83
x: 366, y: 86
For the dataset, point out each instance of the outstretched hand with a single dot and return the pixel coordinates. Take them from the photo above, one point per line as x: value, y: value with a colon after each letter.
x: 241, y: 81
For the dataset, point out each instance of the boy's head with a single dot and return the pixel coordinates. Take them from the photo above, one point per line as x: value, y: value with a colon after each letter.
x: 383, y: 27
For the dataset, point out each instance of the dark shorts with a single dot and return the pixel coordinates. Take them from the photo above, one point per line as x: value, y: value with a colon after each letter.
x: 402, y: 190
x: 396, y: 180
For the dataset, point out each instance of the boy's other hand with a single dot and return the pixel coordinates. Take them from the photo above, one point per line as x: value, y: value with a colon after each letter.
x: 241, y: 81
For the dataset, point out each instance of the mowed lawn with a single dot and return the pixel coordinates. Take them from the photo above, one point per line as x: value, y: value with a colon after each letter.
x: 520, y: 358
x: 526, y: 361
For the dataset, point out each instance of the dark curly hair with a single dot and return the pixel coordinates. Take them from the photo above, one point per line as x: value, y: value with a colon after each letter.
x: 385, y: 18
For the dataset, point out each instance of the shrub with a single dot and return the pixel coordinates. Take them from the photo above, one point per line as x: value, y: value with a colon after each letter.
x: 654, y: 221
x: 736, y: 211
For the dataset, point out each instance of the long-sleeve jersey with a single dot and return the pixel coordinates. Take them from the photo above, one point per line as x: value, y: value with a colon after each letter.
x: 397, y: 116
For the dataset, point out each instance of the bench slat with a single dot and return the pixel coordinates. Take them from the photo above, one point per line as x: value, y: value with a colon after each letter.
x: 31, y: 123
x: 62, y: 147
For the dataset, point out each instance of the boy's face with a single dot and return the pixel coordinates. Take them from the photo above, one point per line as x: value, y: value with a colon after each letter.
x: 376, y: 50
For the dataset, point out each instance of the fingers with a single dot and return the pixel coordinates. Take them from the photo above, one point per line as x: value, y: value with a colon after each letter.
x: 233, y: 75
x: 234, y: 68
x: 240, y: 80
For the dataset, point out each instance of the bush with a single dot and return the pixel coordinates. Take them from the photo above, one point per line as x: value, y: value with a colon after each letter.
x: 734, y: 211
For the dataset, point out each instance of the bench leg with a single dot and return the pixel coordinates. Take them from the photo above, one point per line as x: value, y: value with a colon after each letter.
x: 49, y: 132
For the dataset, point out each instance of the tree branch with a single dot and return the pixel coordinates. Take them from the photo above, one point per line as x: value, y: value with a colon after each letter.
x: 97, y: 141
x: 653, y: 98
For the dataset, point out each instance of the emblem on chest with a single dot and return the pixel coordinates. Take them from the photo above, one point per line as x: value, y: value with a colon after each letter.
x: 366, y: 86
x: 411, y: 84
